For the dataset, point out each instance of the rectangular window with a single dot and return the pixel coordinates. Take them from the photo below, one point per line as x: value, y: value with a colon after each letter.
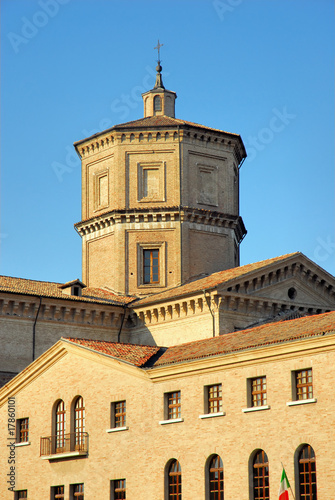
x: 77, y: 491
x: 118, y: 489
x: 258, y: 391
x: 21, y: 494
x: 150, y: 266
x: 173, y: 405
x: 23, y: 430
x: 57, y: 492
x: 214, y: 398
x: 119, y: 414
x: 304, y: 384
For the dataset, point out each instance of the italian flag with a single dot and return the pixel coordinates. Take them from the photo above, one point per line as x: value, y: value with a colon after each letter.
x: 284, y: 486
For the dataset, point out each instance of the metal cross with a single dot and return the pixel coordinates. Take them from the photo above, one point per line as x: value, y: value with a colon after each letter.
x: 159, y: 45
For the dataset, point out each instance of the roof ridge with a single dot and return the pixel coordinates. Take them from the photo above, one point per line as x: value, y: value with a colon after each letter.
x: 30, y: 279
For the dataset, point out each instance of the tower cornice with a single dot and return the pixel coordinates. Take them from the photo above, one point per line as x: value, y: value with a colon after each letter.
x: 162, y: 214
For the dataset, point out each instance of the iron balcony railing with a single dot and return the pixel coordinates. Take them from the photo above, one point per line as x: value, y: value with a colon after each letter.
x: 64, y: 443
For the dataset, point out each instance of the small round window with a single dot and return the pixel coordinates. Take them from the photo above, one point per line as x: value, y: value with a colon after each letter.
x: 292, y: 293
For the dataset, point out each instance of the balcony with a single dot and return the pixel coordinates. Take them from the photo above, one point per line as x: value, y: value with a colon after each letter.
x: 64, y: 446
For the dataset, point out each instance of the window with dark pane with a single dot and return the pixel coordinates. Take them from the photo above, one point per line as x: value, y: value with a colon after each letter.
x: 174, y: 405
x: 304, y: 384
x: 78, y: 491
x: 22, y: 494
x: 23, y: 428
x: 157, y: 103
x: 258, y: 391
x: 60, y: 426
x: 174, y: 481
x: 215, y: 398
x: 120, y: 414
x: 58, y: 492
x: 216, y: 485
x: 119, y: 489
x: 261, y: 487
x: 307, y: 473
x: 151, y: 266
x: 79, y: 423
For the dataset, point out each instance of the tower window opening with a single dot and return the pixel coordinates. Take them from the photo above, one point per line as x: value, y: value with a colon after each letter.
x: 157, y: 103
x: 151, y: 266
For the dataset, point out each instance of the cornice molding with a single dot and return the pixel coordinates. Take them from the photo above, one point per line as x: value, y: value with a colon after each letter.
x: 278, y: 272
x: 139, y: 134
x: 195, y: 304
x: 55, y: 310
x: 162, y: 215
x: 250, y: 356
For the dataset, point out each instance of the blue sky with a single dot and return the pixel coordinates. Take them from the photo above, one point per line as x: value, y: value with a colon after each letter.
x: 263, y: 69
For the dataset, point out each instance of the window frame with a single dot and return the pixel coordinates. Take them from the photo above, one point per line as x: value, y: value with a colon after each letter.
x: 121, y: 486
x: 255, y: 468
x: 309, y: 461
x: 213, y: 399
x: 148, y: 254
x: 17, y: 494
x: 75, y: 495
x: 115, y: 423
x: 255, y: 382
x: 173, y: 402
x: 299, y: 386
x: 60, y: 426
x: 79, y: 422
x: 141, y: 248
x: 219, y: 480
x: 168, y: 476
x: 157, y: 98
x: 21, y: 431
x: 55, y: 495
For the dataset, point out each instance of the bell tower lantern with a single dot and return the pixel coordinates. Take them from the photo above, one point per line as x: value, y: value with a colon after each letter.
x: 159, y: 101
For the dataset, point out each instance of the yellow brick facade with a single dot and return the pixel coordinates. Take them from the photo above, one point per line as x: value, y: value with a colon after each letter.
x: 141, y: 453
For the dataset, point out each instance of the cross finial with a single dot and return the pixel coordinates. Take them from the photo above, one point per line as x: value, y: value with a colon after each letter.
x: 159, y: 45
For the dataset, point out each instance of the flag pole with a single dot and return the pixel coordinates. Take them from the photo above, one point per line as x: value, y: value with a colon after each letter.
x: 289, y: 482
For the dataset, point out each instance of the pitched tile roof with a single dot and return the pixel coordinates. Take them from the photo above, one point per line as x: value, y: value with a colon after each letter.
x: 135, y: 354
x: 163, y: 120
x: 273, y: 333
x: 145, y: 356
x: 53, y: 290
x: 212, y: 280
x: 156, y: 121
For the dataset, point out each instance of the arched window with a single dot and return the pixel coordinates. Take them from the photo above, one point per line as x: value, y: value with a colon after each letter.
x: 174, y: 480
x: 60, y: 426
x: 79, y: 422
x: 157, y: 103
x: 307, y: 473
x: 216, y: 486
x: 260, y: 476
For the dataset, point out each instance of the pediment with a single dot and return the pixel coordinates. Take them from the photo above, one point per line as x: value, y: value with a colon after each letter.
x: 296, y: 291
x: 296, y: 280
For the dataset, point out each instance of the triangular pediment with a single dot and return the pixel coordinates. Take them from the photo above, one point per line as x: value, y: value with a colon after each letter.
x: 296, y: 280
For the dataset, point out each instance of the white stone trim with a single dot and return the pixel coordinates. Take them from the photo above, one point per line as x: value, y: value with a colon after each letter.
x: 256, y: 408
x: 171, y: 421
x: 301, y: 402
x: 211, y: 415
x: 117, y: 429
x: 24, y: 443
x: 59, y: 456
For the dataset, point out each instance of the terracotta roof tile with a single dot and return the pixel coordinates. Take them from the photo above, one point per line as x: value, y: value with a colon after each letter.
x: 264, y: 335
x: 163, y: 120
x: 156, y: 121
x: 53, y: 290
x: 135, y: 354
x: 212, y: 280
